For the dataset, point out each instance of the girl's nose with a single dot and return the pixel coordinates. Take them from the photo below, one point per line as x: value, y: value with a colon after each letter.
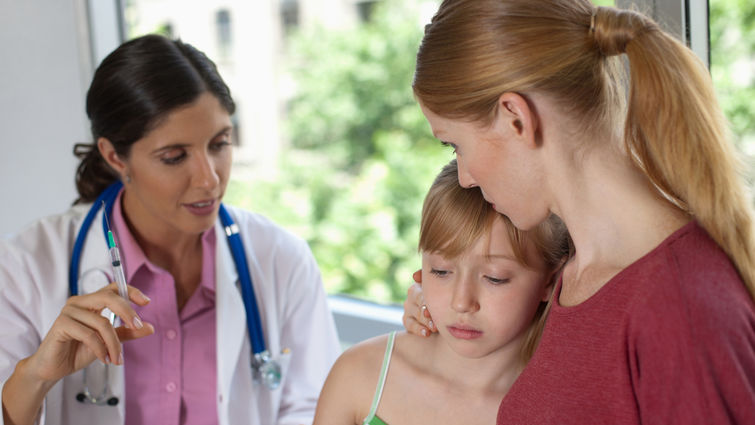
x: 464, y: 298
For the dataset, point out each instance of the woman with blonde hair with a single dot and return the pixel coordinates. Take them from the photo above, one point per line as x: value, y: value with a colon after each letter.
x: 653, y: 318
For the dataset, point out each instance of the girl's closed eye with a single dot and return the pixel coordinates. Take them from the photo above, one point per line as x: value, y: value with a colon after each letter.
x: 439, y: 272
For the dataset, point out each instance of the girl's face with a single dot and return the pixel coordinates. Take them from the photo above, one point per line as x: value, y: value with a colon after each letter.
x: 483, y: 304
x: 180, y: 169
x: 491, y: 158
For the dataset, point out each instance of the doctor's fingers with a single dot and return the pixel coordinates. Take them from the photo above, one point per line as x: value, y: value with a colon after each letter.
x: 93, y: 330
x: 127, y: 334
x: 136, y: 296
x: 108, y: 297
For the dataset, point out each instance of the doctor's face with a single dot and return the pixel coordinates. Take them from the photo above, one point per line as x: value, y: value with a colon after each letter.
x: 179, y: 170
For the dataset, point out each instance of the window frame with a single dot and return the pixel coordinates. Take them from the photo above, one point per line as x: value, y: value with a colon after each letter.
x: 357, y: 319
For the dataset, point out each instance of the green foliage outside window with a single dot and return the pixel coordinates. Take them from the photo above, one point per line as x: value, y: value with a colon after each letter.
x: 361, y: 157
x: 732, y: 40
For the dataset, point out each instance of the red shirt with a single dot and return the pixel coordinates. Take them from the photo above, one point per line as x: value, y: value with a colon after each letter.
x: 669, y: 340
x: 170, y: 376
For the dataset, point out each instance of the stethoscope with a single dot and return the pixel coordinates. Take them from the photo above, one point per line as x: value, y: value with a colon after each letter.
x: 265, y: 369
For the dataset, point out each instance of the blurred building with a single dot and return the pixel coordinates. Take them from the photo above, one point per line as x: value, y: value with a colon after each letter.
x: 247, y: 40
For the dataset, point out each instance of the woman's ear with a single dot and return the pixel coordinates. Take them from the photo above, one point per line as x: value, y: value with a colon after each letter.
x: 518, y: 116
x: 107, y: 150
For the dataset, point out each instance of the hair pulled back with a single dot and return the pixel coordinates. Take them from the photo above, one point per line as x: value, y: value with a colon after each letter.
x: 132, y: 90
x: 673, y: 129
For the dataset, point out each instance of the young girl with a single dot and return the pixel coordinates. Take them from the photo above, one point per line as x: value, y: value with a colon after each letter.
x: 486, y: 285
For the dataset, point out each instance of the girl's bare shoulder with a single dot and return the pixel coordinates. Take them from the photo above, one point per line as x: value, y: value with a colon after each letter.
x: 366, y: 357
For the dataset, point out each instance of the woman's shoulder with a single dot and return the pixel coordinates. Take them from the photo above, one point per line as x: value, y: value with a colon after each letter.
x: 50, y: 232
x: 688, y: 286
x: 697, y: 269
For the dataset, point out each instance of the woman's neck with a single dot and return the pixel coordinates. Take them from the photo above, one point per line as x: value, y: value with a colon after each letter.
x: 164, y: 248
x: 614, y: 216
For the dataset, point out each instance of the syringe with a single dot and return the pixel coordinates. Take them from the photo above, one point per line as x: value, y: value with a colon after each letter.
x: 115, y: 261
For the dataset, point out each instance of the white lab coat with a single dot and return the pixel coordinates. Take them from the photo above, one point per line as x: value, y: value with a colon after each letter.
x: 287, y: 284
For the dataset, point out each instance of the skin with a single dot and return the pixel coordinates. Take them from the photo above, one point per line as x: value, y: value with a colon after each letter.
x: 447, y: 379
x: 186, y: 159
x: 532, y: 160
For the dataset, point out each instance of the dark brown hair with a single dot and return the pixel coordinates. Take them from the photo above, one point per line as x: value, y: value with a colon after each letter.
x: 134, y: 87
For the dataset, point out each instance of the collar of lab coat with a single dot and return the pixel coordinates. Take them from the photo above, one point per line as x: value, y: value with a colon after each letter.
x: 229, y: 311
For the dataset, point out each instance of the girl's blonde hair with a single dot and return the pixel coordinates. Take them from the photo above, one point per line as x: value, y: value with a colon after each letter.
x: 455, y: 218
x: 673, y: 129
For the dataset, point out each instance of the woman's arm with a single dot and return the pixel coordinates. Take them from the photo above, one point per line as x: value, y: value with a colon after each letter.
x: 78, y: 336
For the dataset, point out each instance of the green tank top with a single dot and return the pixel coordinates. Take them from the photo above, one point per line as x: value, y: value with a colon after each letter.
x: 371, y: 418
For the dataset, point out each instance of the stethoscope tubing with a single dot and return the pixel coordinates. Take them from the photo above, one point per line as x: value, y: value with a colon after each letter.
x: 265, y: 368
x: 247, y: 293
x: 108, y: 196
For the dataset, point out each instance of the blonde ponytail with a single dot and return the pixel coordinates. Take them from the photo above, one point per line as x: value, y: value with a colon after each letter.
x: 675, y: 132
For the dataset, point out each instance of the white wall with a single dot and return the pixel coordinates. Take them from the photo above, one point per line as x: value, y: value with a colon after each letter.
x: 42, y: 89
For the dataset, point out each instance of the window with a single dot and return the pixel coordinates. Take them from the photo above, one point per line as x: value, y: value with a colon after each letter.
x: 289, y: 14
x: 334, y: 147
x: 223, y: 25
x: 732, y: 52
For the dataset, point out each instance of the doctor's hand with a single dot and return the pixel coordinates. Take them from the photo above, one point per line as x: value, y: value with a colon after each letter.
x: 80, y: 333
x: 78, y: 336
x: 416, y: 318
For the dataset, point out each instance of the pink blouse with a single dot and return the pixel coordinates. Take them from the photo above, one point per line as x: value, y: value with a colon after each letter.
x: 171, y: 376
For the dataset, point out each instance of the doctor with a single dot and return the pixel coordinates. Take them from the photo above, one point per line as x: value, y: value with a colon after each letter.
x: 161, y: 120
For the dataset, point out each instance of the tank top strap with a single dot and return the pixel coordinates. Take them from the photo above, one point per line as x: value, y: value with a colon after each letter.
x: 371, y: 418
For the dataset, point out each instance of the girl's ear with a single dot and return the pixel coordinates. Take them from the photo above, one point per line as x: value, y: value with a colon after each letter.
x: 107, y: 150
x: 518, y: 116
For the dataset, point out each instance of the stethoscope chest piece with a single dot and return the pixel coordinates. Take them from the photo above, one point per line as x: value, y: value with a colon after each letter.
x: 266, y: 370
x: 105, y: 396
